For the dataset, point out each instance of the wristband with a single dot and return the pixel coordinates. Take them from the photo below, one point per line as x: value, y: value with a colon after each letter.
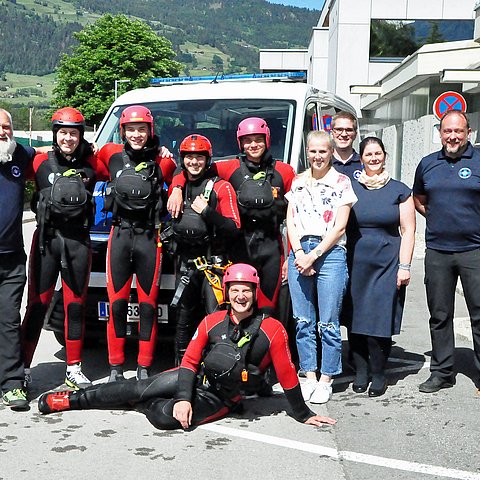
x: 404, y: 266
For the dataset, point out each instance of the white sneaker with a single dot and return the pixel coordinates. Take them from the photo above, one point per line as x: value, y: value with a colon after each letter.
x: 323, y: 393
x: 74, y: 378
x: 308, y: 387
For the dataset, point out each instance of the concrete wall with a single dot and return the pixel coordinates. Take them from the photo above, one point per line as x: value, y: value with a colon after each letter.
x: 318, y: 68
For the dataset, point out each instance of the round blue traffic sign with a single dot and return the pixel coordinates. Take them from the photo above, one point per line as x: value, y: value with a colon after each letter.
x: 448, y: 101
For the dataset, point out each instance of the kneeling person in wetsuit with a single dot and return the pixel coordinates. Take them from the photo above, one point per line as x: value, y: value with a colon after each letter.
x: 135, y: 196
x: 180, y: 398
x: 209, y: 222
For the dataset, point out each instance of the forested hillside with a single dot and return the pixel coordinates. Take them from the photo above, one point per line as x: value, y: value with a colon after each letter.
x: 32, y: 42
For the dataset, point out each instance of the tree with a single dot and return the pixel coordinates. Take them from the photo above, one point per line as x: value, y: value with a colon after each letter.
x: 391, y: 39
x: 217, y: 61
x: 113, y: 48
x: 434, y: 35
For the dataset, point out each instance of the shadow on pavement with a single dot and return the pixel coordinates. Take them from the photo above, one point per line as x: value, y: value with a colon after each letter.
x: 51, y: 375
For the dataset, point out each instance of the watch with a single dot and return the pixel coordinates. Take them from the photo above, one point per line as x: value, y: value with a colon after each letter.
x: 318, y: 253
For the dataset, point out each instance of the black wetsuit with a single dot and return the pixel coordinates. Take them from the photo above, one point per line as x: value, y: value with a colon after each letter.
x: 157, y: 395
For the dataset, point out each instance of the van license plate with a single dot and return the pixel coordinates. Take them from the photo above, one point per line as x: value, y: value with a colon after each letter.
x: 133, y: 312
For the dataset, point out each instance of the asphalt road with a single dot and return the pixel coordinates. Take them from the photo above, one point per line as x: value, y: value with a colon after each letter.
x: 402, y: 435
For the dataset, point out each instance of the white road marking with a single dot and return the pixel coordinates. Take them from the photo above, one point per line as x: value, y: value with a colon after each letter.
x: 345, y: 455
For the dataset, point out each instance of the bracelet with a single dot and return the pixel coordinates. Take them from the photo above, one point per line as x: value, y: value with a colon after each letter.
x: 404, y: 266
x: 297, y: 250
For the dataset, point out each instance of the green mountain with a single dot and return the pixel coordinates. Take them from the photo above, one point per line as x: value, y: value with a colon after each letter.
x: 207, y: 35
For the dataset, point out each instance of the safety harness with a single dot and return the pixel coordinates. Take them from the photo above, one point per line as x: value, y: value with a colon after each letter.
x: 213, y: 269
x: 191, y: 229
x: 227, y: 366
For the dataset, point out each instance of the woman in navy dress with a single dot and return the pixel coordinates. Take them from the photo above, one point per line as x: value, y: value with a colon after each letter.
x: 380, y: 241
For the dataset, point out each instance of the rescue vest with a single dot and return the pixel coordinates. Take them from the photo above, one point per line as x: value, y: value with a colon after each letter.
x: 255, y: 191
x: 134, y: 189
x: 191, y: 228
x: 226, y: 366
x: 256, y: 199
x: 66, y: 199
x: 65, y: 205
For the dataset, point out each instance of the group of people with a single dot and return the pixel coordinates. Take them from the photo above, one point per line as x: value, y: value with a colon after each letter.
x: 352, y: 236
x: 351, y: 232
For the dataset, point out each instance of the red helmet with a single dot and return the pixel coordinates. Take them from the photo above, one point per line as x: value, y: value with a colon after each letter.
x: 137, y: 114
x: 241, y: 272
x: 253, y: 126
x: 196, y: 143
x: 68, y: 117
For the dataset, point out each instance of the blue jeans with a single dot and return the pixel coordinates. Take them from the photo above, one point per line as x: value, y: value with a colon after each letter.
x: 318, y: 299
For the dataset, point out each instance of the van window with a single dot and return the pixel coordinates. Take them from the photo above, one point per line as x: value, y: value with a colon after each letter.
x: 310, y: 123
x: 216, y: 119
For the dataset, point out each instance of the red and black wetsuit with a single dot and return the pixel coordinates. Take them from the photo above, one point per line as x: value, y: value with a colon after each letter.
x: 134, y: 248
x: 62, y: 237
x: 260, y: 244
x: 156, y: 396
x: 208, y: 234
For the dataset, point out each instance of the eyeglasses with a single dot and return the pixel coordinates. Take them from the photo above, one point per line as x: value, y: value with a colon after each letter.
x: 339, y: 131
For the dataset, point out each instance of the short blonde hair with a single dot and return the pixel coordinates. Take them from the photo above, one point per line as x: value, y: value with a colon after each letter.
x: 320, y: 135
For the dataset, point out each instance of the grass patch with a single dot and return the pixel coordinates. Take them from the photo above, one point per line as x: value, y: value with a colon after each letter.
x: 27, y: 89
x: 59, y: 10
x: 204, y: 55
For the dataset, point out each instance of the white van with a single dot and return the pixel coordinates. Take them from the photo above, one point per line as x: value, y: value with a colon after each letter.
x: 215, y: 109
x: 211, y: 106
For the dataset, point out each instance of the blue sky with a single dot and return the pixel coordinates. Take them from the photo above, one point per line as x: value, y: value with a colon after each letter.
x: 314, y: 4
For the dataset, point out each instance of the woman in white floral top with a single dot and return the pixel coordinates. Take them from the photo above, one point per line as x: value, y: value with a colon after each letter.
x: 319, y: 205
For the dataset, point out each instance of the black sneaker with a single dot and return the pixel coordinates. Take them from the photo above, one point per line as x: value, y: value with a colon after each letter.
x: 142, y: 373
x: 116, y: 374
x: 435, y: 383
x: 16, y: 399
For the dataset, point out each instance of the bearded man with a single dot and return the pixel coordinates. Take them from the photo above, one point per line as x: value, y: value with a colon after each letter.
x: 14, y: 160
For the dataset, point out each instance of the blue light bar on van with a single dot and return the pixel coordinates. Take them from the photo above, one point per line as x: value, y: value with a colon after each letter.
x: 295, y: 76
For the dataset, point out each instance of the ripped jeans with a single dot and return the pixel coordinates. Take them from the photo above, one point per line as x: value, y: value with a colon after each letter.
x: 318, y: 299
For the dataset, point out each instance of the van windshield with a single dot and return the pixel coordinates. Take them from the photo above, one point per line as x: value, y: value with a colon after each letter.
x: 215, y: 119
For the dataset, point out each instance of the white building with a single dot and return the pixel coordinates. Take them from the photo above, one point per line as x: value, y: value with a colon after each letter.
x: 393, y: 96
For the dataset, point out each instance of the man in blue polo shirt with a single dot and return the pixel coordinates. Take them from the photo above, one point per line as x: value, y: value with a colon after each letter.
x: 14, y: 159
x: 447, y: 193
x: 345, y: 159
